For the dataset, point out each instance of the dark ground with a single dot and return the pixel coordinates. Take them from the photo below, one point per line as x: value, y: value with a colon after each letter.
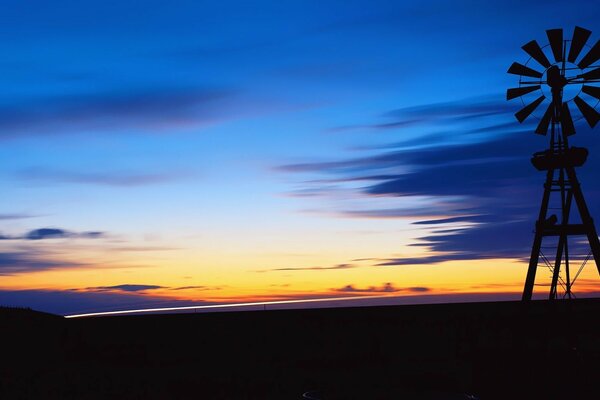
x: 492, y: 350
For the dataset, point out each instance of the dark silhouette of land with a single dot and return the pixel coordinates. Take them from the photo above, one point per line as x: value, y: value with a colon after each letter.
x: 509, y: 350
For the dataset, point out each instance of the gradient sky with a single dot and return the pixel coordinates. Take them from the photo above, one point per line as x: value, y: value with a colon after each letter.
x: 191, y: 152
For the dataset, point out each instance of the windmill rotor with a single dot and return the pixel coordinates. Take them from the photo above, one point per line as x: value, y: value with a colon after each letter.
x: 561, y: 72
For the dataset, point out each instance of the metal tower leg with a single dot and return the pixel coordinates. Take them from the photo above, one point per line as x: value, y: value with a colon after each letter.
x: 537, y: 242
x: 556, y: 272
x: 586, y: 218
x: 567, y: 272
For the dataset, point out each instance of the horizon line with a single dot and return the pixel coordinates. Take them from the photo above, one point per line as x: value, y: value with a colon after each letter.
x: 226, y: 305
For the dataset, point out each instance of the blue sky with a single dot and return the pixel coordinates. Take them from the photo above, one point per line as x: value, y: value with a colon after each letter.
x: 237, y: 130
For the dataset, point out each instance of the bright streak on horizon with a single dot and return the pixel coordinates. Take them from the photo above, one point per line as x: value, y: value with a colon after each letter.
x: 213, y: 306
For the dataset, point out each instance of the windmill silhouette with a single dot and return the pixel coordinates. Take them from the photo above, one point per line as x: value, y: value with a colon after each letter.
x: 571, y: 78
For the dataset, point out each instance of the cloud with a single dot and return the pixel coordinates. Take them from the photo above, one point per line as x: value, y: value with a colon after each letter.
x: 471, y: 187
x: 198, y: 287
x: 6, y: 217
x: 154, y: 111
x: 334, y: 267
x: 464, y: 218
x: 46, y: 233
x: 420, y: 260
x: 17, y: 262
x: 107, y: 178
x: 127, y: 287
x: 447, y: 112
x: 142, y: 248
x: 379, y: 126
x: 390, y: 212
x: 474, y: 108
x: 418, y: 289
x: 54, y: 233
x: 387, y: 287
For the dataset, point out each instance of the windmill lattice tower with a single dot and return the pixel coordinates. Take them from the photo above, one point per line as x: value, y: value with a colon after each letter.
x: 571, y: 78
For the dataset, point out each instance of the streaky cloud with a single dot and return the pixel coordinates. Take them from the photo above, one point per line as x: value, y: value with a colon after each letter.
x: 197, y: 287
x: 7, y: 217
x: 462, y: 218
x: 426, y: 260
x: 447, y: 112
x: 165, y: 110
x: 106, y: 178
x: 127, y: 287
x: 387, y: 287
x: 54, y: 233
x: 46, y: 233
x: 484, y: 194
x: 19, y: 262
x: 334, y: 267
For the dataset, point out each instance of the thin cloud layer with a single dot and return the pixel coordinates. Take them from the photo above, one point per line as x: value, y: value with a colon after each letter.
x: 127, y: 287
x: 334, y: 267
x: 106, y: 178
x: 7, y: 217
x: 150, y: 111
x: 387, y: 287
x: 54, y: 233
x: 17, y: 262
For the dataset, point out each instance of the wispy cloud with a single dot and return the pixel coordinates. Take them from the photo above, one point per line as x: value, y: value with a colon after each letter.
x: 105, y: 178
x: 387, y: 287
x: 446, y: 113
x: 425, y: 260
x: 54, y: 233
x: 197, y: 287
x: 134, y: 249
x: 18, y: 262
x: 471, y: 186
x: 152, y: 111
x: 127, y: 287
x: 333, y: 267
x: 6, y: 217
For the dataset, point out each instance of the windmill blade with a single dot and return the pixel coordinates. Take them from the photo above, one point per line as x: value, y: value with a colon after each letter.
x: 528, y: 109
x: 591, y: 90
x: 520, y: 91
x: 542, y: 128
x: 566, y: 121
x: 555, y: 37
x: 593, y: 74
x: 580, y: 37
x: 591, y: 57
x: 520, y: 69
x: 589, y: 113
x: 535, y: 51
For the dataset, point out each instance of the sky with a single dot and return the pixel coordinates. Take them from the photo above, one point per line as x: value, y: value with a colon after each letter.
x: 189, y: 152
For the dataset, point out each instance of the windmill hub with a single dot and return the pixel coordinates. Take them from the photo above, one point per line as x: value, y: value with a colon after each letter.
x: 555, y: 82
x: 554, y: 78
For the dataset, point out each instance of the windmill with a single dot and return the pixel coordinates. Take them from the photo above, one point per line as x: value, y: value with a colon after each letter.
x: 571, y: 78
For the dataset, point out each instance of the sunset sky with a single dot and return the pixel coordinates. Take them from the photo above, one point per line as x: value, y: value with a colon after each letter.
x: 189, y: 152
